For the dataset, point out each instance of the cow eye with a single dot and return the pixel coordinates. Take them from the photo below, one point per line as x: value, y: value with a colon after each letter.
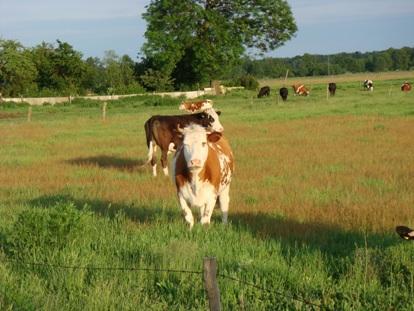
x: 211, y: 119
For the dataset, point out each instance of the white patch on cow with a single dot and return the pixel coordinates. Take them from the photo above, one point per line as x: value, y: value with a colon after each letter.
x: 154, y: 170
x: 171, y: 148
x: 216, y: 125
x: 165, y: 170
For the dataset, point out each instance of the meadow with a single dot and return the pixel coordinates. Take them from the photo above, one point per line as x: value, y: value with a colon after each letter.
x: 319, y: 186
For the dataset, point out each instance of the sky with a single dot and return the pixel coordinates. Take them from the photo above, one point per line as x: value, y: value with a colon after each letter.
x: 95, y: 26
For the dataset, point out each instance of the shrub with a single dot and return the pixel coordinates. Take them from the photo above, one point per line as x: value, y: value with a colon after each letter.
x: 249, y: 82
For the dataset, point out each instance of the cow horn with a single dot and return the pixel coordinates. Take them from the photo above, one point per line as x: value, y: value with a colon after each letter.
x: 179, y: 129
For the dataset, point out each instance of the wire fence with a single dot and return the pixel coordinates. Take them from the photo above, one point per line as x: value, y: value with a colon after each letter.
x: 159, y: 270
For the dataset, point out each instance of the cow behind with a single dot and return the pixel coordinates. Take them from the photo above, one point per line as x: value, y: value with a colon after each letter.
x: 283, y: 92
x: 264, y: 91
x: 202, y: 171
x: 332, y: 88
x: 406, y: 87
x: 161, y: 131
x: 300, y: 89
x: 368, y: 85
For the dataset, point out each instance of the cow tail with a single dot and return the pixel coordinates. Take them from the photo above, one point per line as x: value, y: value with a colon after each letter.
x: 148, y: 134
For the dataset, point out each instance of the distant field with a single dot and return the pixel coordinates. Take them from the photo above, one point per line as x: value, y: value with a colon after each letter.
x: 320, y: 185
x: 343, y: 78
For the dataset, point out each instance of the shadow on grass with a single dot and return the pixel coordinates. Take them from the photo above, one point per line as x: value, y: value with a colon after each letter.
x: 137, y: 213
x: 332, y: 241
x: 109, y: 162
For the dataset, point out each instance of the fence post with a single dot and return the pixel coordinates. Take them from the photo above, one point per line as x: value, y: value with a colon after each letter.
x: 104, y: 111
x: 210, y: 283
x: 29, y: 114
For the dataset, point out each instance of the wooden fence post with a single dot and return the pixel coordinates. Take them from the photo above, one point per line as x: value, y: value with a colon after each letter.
x: 210, y: 283
x: 29, y: 114
x: 104, y: 111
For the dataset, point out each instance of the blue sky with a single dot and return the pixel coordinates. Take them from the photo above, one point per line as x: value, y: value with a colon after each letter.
x: 94, y: 26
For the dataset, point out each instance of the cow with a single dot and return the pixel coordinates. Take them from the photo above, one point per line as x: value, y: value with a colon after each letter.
x: 283, y: 92
x: 332, y: 88
x: 264, y: 91
x: 300, y: 89
x: 368, y: 85
x: 202, y: 169
x: 406, y: 87
x: 161, y: 130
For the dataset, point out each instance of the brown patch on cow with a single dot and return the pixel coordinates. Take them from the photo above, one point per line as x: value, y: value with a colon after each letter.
x: 406, y: 87
x: 300, y: 89
x: 196, y: 106
x: 182, y: 174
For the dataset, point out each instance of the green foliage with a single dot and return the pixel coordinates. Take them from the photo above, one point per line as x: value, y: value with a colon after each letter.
x: 248, y: 81
x: 154, y: 80
x: 194, y: 41
x: 17, y: 70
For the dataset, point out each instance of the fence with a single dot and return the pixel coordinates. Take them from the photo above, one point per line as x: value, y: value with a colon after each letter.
x: 37, y: 101
x: 210, y: 275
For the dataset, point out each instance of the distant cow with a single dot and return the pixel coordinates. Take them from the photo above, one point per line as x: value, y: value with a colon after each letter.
x: 368, y: 85
x: 264, y: 91
x: 162, y: 131
x: 332, y: 88
x: 202, y: 171
x: 300, y: 89
x: 406, y: 87
x: 283, y: 92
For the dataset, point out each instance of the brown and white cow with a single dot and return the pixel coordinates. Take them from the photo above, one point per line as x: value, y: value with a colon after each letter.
x: 161, y: 130
x: 406, y: 87
x: 368, y: 85
x: 300, y: 89
x: 202, y: 171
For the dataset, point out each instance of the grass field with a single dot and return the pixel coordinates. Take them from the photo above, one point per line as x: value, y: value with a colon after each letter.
x: 319, y: 187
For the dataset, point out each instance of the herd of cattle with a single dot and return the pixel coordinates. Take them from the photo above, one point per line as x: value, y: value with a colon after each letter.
x: 203, y: 162
x: 300, y: 89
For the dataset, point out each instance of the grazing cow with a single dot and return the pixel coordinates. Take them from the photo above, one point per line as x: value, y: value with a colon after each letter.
x: 264, y: 91
x: 203, y: 167
x: 283, y: 92
x: 368, y: 85
x: 162, y: 131
x: 406, y: 87
x: 332, y: 88
x: 300, y: 89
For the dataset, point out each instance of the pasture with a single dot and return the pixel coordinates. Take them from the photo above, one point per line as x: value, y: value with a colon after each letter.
x: 318, y: 189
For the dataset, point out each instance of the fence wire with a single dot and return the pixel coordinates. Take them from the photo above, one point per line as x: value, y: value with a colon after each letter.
x: 147, y: 269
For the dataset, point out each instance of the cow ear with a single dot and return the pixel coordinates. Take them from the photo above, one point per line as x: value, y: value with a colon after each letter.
x: 214, y: 137
x: 218, y: 112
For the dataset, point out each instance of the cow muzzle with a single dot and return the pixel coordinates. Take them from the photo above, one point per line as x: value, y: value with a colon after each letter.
x: 194, y: 164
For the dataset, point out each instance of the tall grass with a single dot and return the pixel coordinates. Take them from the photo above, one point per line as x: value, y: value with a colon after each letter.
x: 319, y: 186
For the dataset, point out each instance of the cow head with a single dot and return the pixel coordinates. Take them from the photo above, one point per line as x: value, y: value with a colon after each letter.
x: 195, y: 145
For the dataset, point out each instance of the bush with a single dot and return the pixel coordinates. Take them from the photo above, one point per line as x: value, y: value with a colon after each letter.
x: 249, y: 82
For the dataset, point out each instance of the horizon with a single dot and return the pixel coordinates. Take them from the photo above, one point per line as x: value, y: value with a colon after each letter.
x: 324, y: 27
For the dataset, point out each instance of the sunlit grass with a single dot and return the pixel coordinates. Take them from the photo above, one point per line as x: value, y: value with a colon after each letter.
x: 319, y: 187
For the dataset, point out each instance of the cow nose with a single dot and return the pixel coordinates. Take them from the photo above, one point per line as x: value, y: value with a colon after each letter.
x: 195, y: 162
x: 220, y: 129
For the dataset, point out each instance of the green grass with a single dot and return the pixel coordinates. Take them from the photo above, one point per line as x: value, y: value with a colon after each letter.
x: 319, y: 186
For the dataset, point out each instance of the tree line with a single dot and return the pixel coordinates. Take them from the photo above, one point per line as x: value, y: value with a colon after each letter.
x: 320, y: 65
x: 59, y: 70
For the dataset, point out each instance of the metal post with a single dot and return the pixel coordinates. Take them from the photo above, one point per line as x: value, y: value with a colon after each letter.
x: 210, y: 283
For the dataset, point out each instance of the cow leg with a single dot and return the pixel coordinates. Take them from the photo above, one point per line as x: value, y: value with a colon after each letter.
x: 208, y: 210
x: 154, y: 162
x: 224, y: 199
x: 164, y: 162
x: 187, y: 211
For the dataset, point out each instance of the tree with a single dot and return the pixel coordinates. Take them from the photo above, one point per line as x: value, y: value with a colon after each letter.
x: 198, y: 40
x: 17, y: 70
